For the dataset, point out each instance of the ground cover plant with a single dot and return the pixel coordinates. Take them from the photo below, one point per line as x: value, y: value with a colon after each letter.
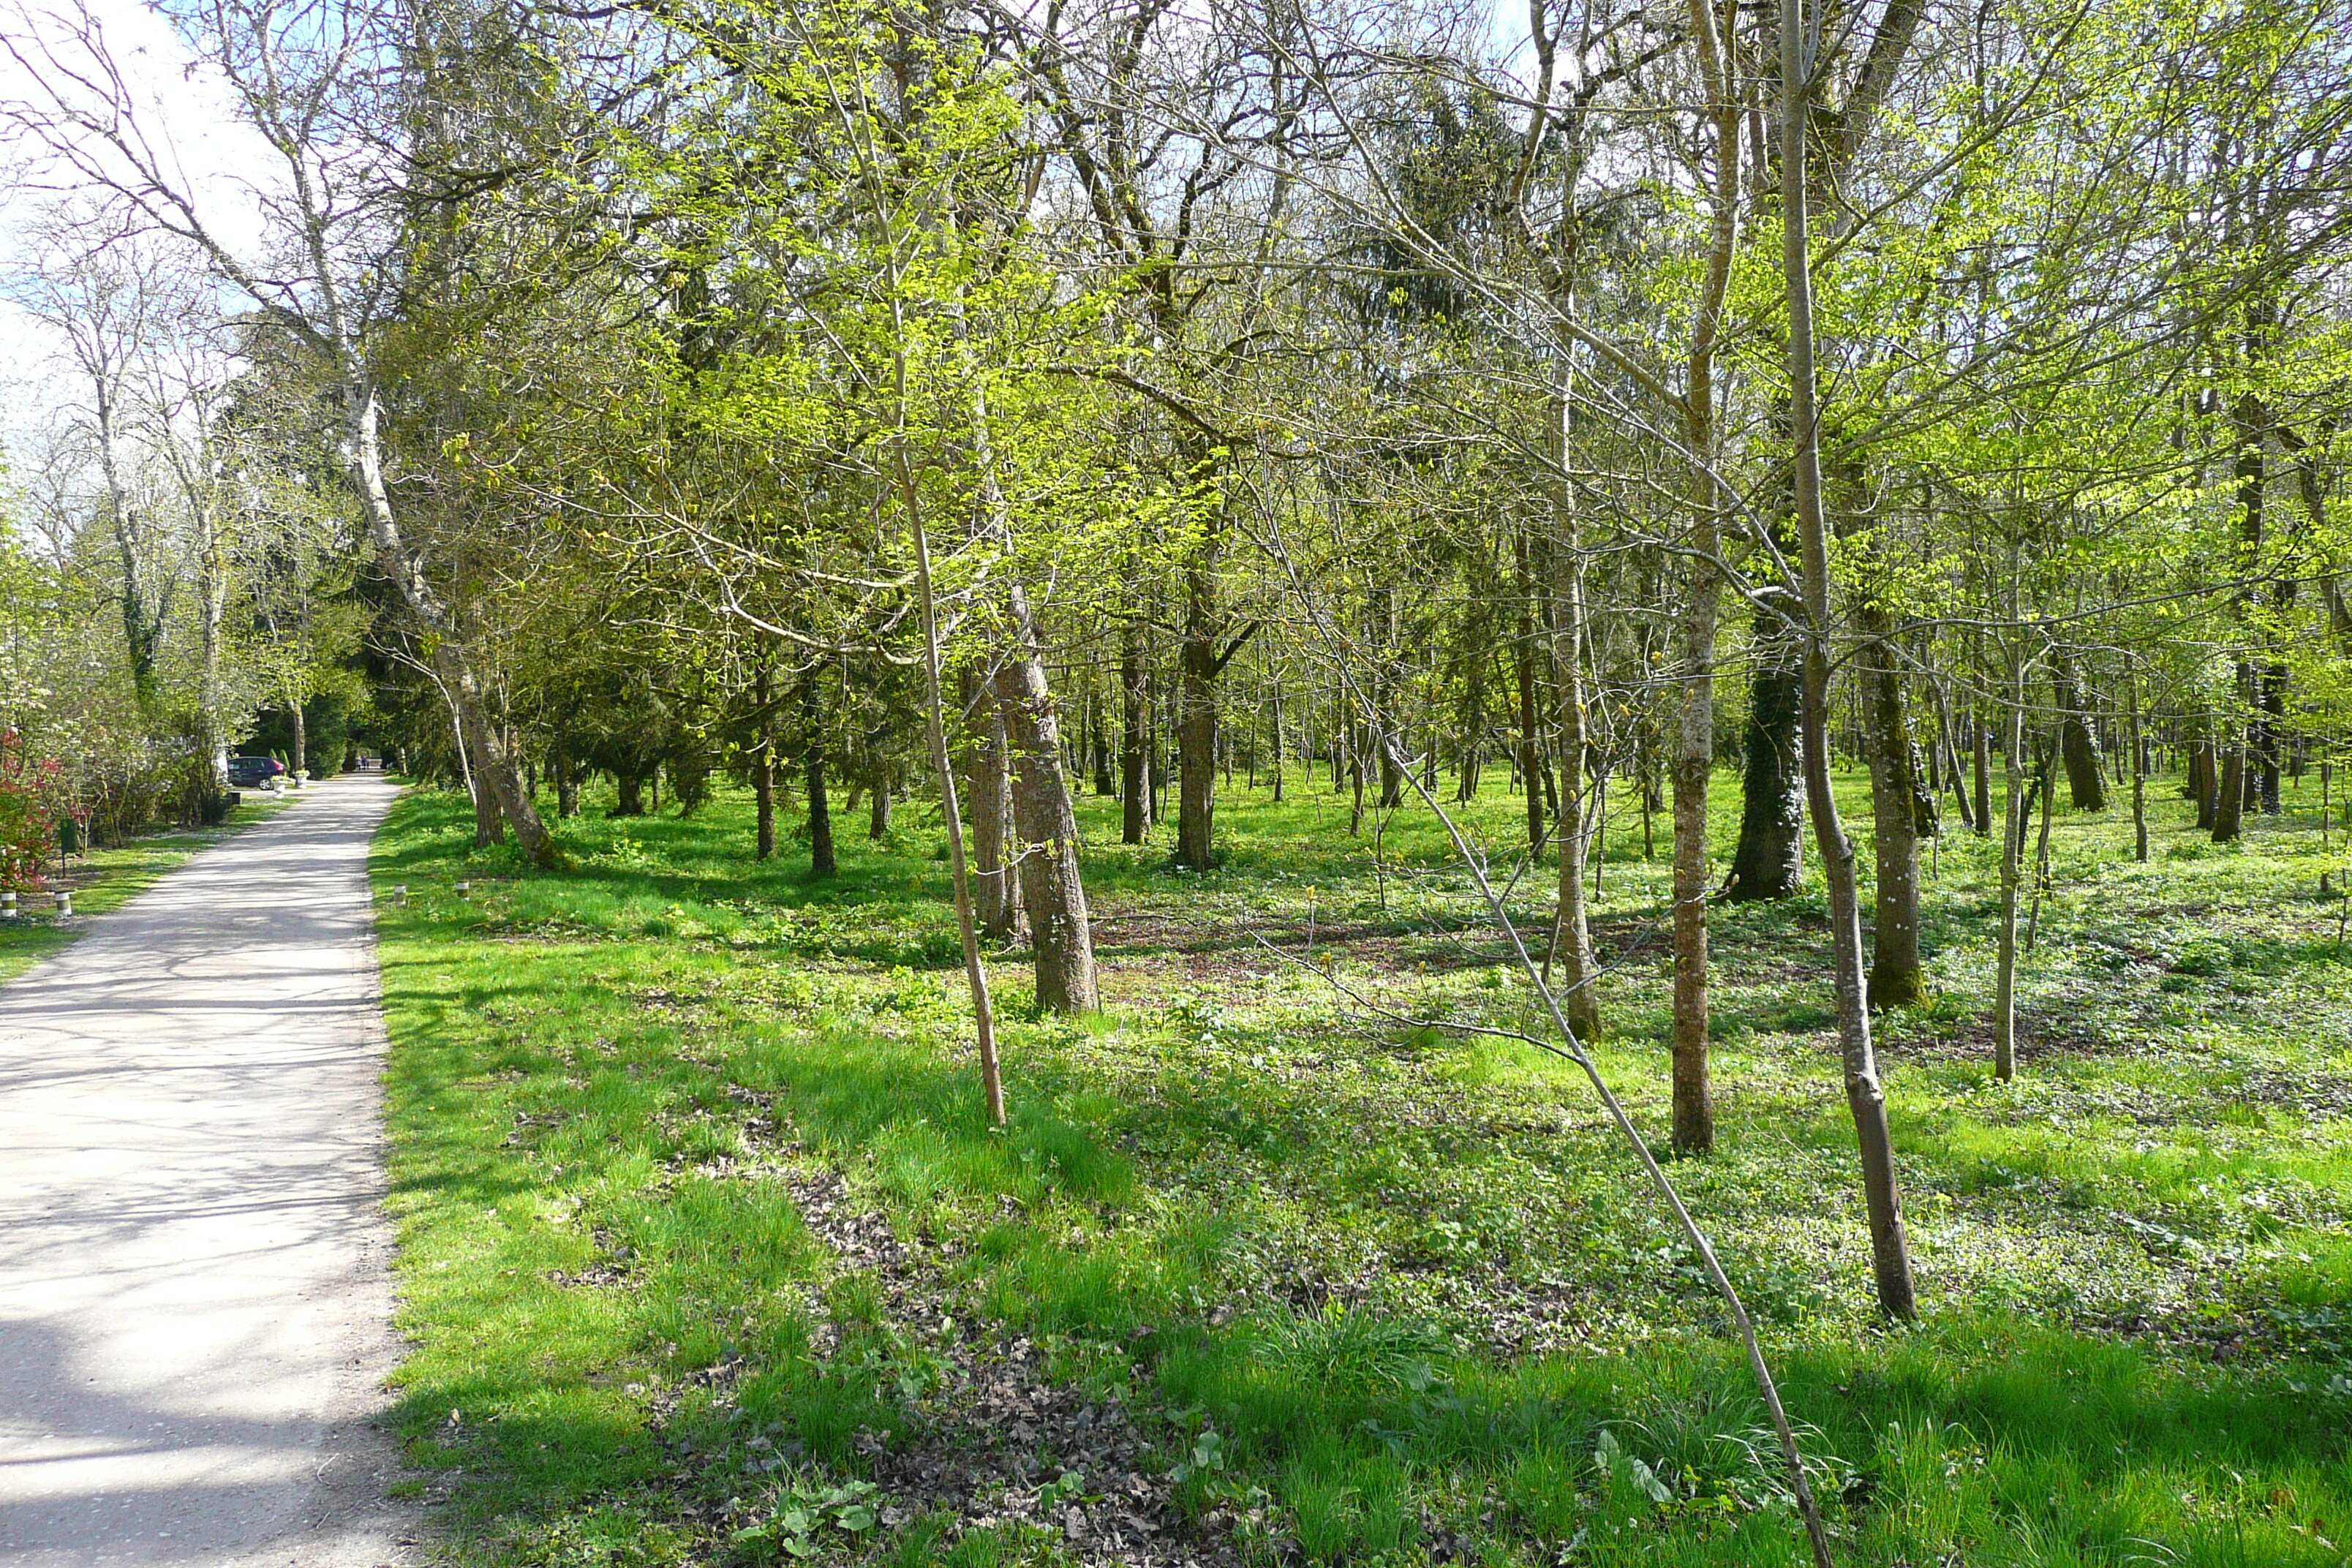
x: 108, y: 878
x: 709, y: 1255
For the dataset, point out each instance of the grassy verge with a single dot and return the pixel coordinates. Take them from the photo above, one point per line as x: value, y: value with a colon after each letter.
x: 709, y: 1257
x: 109, y: 878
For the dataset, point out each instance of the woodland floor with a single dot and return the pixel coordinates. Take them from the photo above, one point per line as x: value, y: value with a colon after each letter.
x: 707, y: 1255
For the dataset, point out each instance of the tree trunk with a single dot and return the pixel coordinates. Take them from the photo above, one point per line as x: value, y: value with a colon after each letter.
x: 1650, y: 802
x: 1599, y: 812
x: 2087, y: 779
x: 212, y: 608
x: 1355, y: 778
x: 764, y: 765
x: 143, y: 624
x: 489, y: 825
x: 996, y: 897
x: 2229, y: 785
x: 1099, y: 734
x: 1523, y: 646
x: 820, y: 809
x: 877, y: 813
x: 1060, y: 927
x: 1949, y: 756
x: 1278, y: 757
x: 1134, y: 728
x: 975, y: 972
x: 2250, y: 423
x: 491, y: 759
x: 143, y: 634
x: 1060, y: 930
x: 1694, y: 764
x: 2012, y: 835
x: 1769, y: 862
x: 763, y: 803
x: 2139, y: 779
x: 2231, y: 795
x: 1890, y: 1251
x: 1897, y: 977
x: 1692, y: 748
x: 1983, y: 778
x: 2261, y: 683
x: 1163, y: 721
x: 1572, y: 937
x: 2042, y: 846
x: 2270, y: 720
x: 1391, y: 770
x: 453, y: 662
x: 1196, y: 716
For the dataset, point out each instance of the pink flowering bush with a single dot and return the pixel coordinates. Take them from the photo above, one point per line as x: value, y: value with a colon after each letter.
x: 28, y: 820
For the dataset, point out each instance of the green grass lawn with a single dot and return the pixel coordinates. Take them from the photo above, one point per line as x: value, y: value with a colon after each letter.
x: 708, y: 1257
x: 109, y: 878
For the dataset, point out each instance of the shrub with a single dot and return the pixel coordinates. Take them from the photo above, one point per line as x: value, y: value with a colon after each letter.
x: 27, y: 819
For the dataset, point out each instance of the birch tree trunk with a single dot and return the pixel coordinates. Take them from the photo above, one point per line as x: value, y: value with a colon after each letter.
x: 1865, y: 1100
x: 1694, y: 764
x: 984, y: 1012
x: 1572, y: 939
x: 2012, y: 835
x: 212, y: 610
x: 1524, y: 661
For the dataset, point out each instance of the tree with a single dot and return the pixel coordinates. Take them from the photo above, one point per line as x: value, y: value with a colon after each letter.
x: 1890, y: 1251
x: 308, y: 79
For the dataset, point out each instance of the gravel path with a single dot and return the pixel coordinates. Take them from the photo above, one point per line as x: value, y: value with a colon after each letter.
x: 193, y: 1304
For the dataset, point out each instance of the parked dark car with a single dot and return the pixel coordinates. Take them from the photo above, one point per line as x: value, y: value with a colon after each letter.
x: 252, y: 773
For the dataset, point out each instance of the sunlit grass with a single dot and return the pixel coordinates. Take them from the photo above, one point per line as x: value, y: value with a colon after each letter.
x: 1380, y: 1286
